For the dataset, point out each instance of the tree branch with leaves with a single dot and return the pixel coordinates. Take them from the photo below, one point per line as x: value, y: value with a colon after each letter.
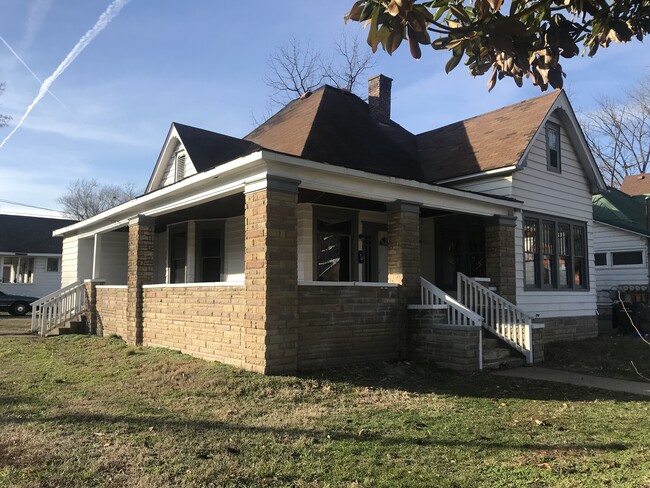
x: 521, y: 39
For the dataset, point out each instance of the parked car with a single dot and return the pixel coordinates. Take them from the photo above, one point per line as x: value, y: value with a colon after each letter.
x: 16, y: 304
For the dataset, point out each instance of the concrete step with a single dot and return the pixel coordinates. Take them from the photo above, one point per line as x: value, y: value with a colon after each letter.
x: 74, y: 327
x: 496, y: 354
x: 490, y: 343
x: 504, y: 363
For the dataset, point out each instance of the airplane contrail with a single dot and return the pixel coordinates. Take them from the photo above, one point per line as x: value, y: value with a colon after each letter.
x: 32, y: 73
x: 109, y: 14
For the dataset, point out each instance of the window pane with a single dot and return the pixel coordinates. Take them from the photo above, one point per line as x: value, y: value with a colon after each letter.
x: 600, y: 258
x: 563, y: 271
x: 579, y: 272
x: 578, y: 241
x: 53, y: 264
x: 553, y: 147
x: 531, y: 250
x: 333, y: 258
x: 178, y: 255
x: 627, y: 257
x: 548, y: 249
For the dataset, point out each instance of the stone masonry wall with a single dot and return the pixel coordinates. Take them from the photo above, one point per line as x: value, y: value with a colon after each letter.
x: 448, y: 346
x: 500, y: 257
x: 111, y: 311
x: 346, y: 324
x: 203, y: 321
x: 569, y: 328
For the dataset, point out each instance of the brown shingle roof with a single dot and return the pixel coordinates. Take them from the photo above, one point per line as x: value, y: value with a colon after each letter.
x: 636, y: 184
x: 333, y: 126
x: 490, y: 141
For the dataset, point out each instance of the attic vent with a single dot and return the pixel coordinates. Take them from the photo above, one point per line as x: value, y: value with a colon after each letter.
x: 180, y: 167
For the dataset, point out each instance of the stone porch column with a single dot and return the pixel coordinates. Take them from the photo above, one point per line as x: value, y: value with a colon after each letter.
x: 140, y: 272
x: 500, y: 255
x: 270, y: 339
x: 93, y: 324
x: 404, y: 259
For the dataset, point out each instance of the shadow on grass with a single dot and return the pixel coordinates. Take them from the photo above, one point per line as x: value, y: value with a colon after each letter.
x: 197, y: 427
x: 418, y: 378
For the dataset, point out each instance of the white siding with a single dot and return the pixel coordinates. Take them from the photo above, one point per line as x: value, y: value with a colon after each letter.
x: 69, y: 260
x: 44, y: 282
x: 170, y: 170
x: 234, y: 249
x: 496, y: 185
x: 560, y: 195
x: 608, y: 239
x: 305, y: 242
x: 113, y: 258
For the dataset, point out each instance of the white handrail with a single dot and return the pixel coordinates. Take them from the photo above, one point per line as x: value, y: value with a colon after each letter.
x: 457, y: 313
x: 502, y: 318
x: 55, y: 309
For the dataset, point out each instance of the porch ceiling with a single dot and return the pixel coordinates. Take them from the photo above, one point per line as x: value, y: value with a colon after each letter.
x: 230, y: 206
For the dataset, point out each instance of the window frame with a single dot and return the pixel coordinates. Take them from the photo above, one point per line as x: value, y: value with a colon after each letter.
x: 539, y: 254
x: 323, y: 212
x: 47, y: 265
x: 199, y: 227
x: 552, y: 126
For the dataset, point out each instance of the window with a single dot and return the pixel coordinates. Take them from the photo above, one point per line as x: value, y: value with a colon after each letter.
x: 555, y: 253
x: 553, y: 147
x: 209, y: 249
x: 335, y: 245
x: 53, y: 265
x: 177, y: 253
x: 623, y: 258
x: 600, y: 258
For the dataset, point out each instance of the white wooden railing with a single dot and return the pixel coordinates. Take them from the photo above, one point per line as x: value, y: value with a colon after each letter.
x: 457, y: 313
x: 502, y: 318
x: 57, y: 308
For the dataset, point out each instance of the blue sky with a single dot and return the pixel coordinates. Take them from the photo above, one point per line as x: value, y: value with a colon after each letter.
x: 202, y: 63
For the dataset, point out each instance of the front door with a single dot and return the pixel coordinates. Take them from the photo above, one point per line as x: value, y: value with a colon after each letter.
x: 460, y: 246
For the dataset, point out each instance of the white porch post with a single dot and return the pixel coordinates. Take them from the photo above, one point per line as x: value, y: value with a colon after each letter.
x: 97, y: 254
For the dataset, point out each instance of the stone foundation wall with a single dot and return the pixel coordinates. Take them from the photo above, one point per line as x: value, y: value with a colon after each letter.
x: 345, y: 324
x: 111, y: 311
x: 203, y: 321
x: 568, y: 329
x: 449, y: 346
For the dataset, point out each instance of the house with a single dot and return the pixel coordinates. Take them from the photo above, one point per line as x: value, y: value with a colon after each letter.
x: 621, y: 233
x: 331, y: 234
x: 30, y: 258
x: 636, y: 184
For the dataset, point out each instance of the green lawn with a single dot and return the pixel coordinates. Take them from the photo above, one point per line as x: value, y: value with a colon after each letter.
x: 87, y: 411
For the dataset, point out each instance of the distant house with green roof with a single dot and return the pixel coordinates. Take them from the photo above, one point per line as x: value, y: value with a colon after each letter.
x: 621, y: 233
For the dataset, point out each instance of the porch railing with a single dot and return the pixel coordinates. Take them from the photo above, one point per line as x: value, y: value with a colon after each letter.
x: 457, y: 313
x: 502, y: 318
x: 59, y: 307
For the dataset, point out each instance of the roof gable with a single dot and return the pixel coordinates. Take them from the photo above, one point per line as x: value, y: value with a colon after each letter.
x: 204, y: 150
x: 618, y: 209
x: 31, y: 235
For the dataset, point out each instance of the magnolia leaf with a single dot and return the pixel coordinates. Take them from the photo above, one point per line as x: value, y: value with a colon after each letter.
x: 495, y: 4
x: 493, y: 80
x: 414, y: 46
x: 453, y: 62
x: 393, y: 9
x: 355, y: 12
x: 459, y: 12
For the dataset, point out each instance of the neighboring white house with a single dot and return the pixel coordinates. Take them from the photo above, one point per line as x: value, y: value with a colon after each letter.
x: 30, y: 258
x: 294, y: 238
x: 621, y: 236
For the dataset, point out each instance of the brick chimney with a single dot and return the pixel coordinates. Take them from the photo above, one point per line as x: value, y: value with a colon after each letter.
x: 379, y: 98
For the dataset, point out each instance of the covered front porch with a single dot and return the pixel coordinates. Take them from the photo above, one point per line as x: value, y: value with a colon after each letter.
x: 277, y: 274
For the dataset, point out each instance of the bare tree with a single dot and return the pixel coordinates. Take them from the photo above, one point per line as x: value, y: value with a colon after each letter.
x: 618, y: 133
x: 4, y: 119
x: 87, y: 197
x: 295, y: 69
x: 352, y: 63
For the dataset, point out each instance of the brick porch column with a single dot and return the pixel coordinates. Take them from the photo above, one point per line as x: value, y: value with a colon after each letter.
x: 140, y: 272
x: 500, y: 255
x: 270, y: 340
x: 404, y: 259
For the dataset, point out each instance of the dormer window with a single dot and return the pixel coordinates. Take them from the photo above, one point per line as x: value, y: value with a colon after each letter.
x: 179, y: 166
x: 553, y: 147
